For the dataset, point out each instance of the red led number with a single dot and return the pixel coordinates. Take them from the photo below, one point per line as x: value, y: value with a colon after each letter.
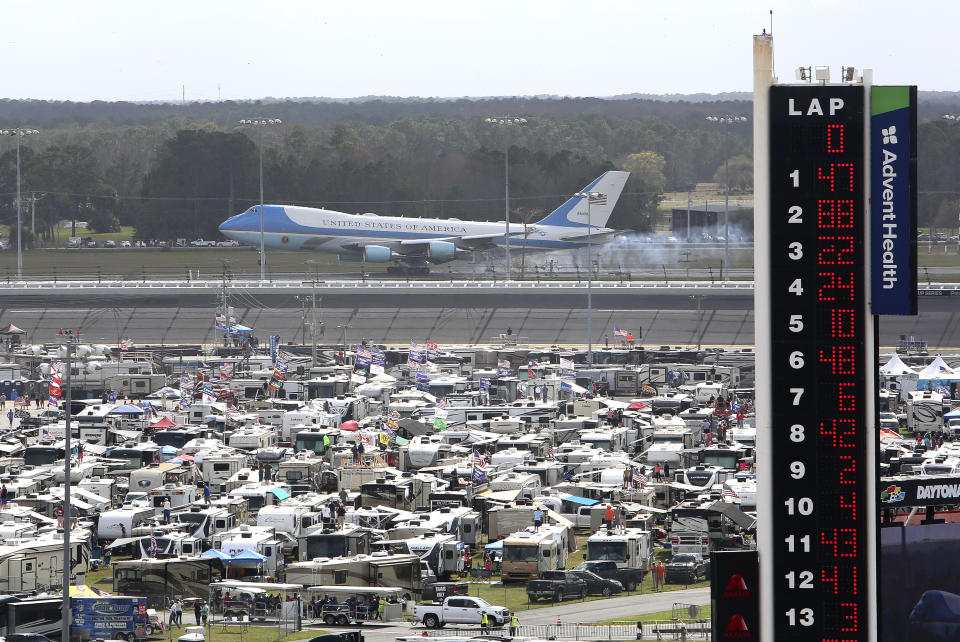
x: 842, y: 540
x: 831, y: 177
x: 838, y: 250
x: 843, y: 323
x: 834, y: 283
x: 835, y: 214
x: 842, y: 359
x: 835, y: 139
x: 835, y: 579
x: 840, y: 430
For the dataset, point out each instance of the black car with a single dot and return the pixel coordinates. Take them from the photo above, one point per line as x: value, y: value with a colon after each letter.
x: 597, y: 585
x: 686, y: 568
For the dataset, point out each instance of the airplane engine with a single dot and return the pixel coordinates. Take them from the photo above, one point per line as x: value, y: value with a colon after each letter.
x: 441, y: 251
x: 376, y: 253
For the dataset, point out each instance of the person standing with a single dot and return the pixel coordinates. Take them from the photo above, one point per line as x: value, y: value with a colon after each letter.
x: 381, y: 607
x: 537, y: 519
x: 627, y: 472
x: 204, y: 613
x: 166, y: 510
x: 514, y: 623
x: 3, y: 497
x: 609, y: 515
x: 196, y: 611
x: 484, y: 622
x: 206, y: 493
x: 10, y: 417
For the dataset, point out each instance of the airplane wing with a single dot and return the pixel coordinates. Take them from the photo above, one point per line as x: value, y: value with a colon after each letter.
x: 595, y: 237
x: 472, y: 242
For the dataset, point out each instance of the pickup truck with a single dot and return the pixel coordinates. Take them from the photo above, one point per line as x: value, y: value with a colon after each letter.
x: 202, y: 243
x: 460, y: 610
x: 629, y: 577
x: 556, y: 585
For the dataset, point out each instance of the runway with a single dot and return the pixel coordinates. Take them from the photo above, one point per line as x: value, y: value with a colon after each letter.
x: 537, y: 316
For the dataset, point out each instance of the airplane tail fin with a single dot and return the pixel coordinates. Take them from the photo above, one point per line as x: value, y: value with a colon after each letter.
x: 573, y: 213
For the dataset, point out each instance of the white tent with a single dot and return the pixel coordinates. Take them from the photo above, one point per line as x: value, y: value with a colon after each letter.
x: 896, y: 367
x: 939, y: 371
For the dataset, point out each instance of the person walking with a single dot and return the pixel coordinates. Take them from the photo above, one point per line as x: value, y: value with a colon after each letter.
x: 204, y: 613
x: 484, y: 622
x: 10, y: 417
x: 3, y: 497
x: 206, y: 493
x: 196, y: 611
x: 514, y: 623
x: 381, y: 607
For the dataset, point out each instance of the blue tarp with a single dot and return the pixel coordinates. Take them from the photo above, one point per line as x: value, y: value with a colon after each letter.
x: 168, y: 450
x: 494, y: 546
x: 581, y: 500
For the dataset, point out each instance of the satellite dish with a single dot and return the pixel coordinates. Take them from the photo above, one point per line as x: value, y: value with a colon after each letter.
x: 93, y: 366
x: 44, y: 369
x: 35, y: 350
x: 101, y: 349
x: 693, y: 610
x: 83, y: 351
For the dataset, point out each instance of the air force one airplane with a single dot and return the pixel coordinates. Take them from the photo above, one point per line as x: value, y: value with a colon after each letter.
x: 416, y: 241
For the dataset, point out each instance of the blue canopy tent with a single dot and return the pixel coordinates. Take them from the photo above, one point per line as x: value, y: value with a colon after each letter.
x: 494, y: 546
x: 126, y: 409
x: 215, y: 554
x: 245, y: 557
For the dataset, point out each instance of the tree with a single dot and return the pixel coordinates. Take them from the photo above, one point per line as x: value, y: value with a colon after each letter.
x: 647, y: 169
x: 740, y: 169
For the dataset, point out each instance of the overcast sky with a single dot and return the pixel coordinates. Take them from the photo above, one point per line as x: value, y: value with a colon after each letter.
x: 237, y: 49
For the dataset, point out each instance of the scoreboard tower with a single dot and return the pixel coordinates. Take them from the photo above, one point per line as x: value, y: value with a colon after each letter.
x: 816, y: 340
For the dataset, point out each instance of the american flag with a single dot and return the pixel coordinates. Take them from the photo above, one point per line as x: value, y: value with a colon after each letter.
x: 729, y: 492
x: 566, y: 364
x: 479, y: 467
x: 126, y: 344
x: 530, y: 367
x: 364, y: 353
x: 153, y: 545
x: 639, y: 478
x: 617, y: 332
x: 550, y: 454
x: 596, y: 198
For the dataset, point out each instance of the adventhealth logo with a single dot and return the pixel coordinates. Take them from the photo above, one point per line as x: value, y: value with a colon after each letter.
x: 889, y: 135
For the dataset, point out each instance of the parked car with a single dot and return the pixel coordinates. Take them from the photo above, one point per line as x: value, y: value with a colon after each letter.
x: 202, y: 243
x: 460, y: 610
x: 109, y: 243
x: 556, y: 585
x: 597, y: 585
x: 124, y: 243
x: 686, y: 568
x: 230, y: 243
x: 629, y: 577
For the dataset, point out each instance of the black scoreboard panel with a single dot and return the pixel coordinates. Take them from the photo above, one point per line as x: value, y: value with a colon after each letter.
x: 819, y: 319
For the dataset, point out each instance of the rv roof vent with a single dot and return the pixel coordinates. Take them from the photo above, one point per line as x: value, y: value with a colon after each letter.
x: 445, y: 509
x: 407, y: 474
x: 381, y: 480
x: 244, y: 527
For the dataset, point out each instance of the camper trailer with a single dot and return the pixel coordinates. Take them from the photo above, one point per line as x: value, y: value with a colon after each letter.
x: 529, y: 552
x: 162, y: 580
x: 628, y: 547
x: 320, y: 542
x: 377, y: 569
x: 37, y: 565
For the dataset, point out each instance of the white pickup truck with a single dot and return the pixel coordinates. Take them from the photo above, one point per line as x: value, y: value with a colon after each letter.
x: 460, y: 610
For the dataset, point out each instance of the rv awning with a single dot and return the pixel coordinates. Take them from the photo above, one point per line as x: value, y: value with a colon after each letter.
x: 494, y: 546
x: 122, y: 541
x: 280, y: 493
x: 583, y: 501
x: 733, y: 512
x: 502, y: 495
x: 560, y: 519
x: 128, y: 435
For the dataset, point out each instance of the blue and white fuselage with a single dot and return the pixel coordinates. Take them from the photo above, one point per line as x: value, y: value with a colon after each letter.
x: 417, y: 240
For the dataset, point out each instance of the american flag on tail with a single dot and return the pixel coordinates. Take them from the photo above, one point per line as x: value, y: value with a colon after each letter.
x: 729, y: 492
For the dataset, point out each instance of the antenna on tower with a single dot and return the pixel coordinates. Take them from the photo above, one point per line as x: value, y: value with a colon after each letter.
x: 771, y: 22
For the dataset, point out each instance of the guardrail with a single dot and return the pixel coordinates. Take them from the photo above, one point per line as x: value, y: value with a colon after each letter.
x: 372, y: 285
x: 680, y: 629
x: 944, y: 289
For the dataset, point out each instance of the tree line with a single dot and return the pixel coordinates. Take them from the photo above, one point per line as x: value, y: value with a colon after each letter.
x: 172, y: 171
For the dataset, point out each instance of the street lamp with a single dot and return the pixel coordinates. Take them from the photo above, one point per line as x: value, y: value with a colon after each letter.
x: 590, y: 197
x: 260, y: 123
x: 506, y: 121
x: 19, y: 133
x: 726, y: 120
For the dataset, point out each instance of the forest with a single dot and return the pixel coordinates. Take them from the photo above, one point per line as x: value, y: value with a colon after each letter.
x: 178, y: 170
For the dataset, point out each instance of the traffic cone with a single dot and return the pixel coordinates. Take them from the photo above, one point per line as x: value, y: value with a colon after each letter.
x: 558, y: 621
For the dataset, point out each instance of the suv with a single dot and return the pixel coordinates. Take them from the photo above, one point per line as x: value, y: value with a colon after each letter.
x: 686, y: 568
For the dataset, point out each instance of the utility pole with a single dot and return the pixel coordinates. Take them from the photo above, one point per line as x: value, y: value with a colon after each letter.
x: 313, y: 327
x: 67, y: 509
